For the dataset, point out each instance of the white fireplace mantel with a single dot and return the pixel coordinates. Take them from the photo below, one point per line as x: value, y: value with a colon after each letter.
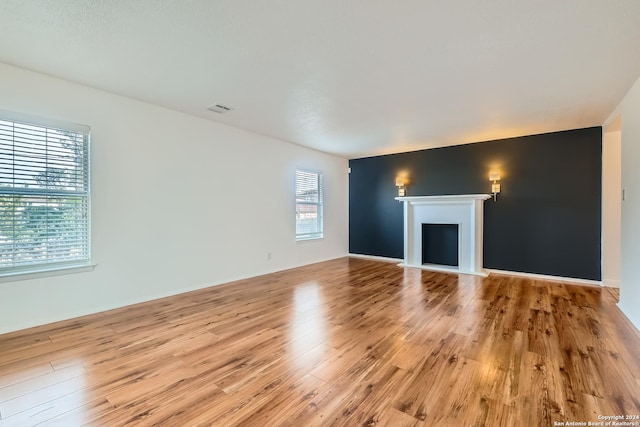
x: 464, y: 210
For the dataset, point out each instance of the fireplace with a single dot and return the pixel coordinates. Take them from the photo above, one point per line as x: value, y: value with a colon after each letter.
x: 440, y: 244
x: 465, y: 212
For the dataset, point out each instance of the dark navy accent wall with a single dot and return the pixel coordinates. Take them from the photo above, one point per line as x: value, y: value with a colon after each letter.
x: 547, y: 219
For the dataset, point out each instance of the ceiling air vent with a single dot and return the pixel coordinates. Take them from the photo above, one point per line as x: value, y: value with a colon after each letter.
x: 219, y: 108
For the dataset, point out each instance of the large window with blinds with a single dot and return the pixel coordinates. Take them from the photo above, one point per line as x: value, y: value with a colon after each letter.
x: 308, y: 205
x: 44, y: 195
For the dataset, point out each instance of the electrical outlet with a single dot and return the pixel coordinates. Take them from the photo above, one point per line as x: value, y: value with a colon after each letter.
x: 268, y: 256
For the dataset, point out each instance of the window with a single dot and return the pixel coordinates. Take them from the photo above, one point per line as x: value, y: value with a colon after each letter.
x: 44, y: 195
x: 308, y: 205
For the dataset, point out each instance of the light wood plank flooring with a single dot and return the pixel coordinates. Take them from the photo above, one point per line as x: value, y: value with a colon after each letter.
x: 347, y: 342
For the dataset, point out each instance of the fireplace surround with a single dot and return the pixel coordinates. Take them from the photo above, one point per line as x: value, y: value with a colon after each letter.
x: 467, y: 211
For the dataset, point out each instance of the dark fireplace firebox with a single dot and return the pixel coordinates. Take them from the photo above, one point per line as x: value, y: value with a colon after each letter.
x: 440, y: 244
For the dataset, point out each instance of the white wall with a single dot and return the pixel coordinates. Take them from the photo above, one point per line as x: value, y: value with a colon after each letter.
x: 178, y: 203
x: 629, y: 112
x: 611, y: 207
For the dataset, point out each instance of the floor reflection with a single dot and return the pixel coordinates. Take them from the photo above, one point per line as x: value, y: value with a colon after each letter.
x: 44, y: 397
x: 308, y: 326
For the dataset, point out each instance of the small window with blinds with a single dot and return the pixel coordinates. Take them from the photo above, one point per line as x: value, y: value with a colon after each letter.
x: 44, y: 195
x: 308, y: 205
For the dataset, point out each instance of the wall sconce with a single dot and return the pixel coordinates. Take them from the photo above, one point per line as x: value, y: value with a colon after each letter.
x: 401, y: 183
x: 495, y: 186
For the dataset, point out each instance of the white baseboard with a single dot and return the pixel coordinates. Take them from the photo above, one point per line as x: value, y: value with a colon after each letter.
x: 377, y: 258
x: 546, y: 277
x: 613, y: 283
x: 502, y: 272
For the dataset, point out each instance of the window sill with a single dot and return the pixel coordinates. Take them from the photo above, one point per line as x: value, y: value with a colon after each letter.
x: 14, y: 276
x: 307, y: 239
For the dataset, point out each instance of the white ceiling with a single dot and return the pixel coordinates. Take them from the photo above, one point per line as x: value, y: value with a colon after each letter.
x: 350, y: 77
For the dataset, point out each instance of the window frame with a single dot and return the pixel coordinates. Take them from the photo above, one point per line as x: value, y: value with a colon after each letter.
x: 54, y: 267
x: 301, y: 237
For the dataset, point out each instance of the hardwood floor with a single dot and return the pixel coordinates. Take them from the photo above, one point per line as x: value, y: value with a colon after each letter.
x: 345, y: 342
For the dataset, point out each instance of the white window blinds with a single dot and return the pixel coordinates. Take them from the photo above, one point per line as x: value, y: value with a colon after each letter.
x: 44, y: 194
x: 308, y: 205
